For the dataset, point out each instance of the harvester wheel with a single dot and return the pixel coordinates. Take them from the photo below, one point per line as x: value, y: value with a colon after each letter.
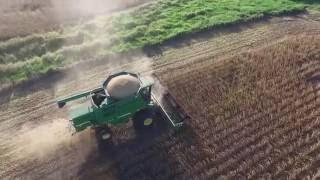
x: 143, y: 119
x: 104, y: 139
x: 103, y: 134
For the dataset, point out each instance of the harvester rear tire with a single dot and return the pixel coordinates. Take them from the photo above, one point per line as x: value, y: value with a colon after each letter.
x: 104, y: 137
x: 143, y: 119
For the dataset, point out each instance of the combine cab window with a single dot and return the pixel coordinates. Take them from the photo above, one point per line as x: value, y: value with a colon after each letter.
x: 98, y: 97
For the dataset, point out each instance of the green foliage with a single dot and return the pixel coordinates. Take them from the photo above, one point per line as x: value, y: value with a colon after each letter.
x: 32, y: 68
x: 22, y: 49
x: 168, y: 19
x: 23, y: 58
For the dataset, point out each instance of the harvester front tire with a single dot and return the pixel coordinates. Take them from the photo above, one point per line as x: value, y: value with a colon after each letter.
x: 143, y: 119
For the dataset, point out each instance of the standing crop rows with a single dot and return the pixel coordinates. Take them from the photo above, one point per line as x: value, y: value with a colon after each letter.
x: 256, y: 114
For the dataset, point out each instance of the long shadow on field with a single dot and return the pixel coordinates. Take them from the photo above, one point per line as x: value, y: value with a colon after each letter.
x: 22, y: 89
x: 151, y: 155
x: 52, y: 78
x: 310, y: 2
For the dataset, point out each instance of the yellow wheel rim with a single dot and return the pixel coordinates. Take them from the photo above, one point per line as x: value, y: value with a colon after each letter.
x: 147, y: 122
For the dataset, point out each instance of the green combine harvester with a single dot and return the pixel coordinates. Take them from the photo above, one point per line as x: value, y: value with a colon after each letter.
x: 123, y: 96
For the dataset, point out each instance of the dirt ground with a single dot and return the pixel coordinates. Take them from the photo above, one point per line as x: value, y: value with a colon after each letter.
x: 34, y: 141
x: 23, y: 17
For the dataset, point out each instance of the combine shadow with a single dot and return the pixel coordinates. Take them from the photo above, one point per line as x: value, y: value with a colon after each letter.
x: 113, y: 159
x: 143, y: 157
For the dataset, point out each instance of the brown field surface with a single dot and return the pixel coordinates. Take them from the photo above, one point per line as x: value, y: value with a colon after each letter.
x: 23, y: 17
x: 256, y: 114
x: 252, y: 93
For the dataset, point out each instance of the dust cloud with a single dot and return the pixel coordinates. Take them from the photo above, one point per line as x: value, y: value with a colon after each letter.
x: 142, y: 64
x: 159, y: 90
x: 91, y: 7
x: 67, y: 9
x: 48, y: 138
x: 24, y: 17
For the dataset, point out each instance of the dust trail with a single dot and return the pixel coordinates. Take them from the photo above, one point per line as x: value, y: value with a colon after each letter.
x: 92, y: 7
x: 134, y: 61
x: 81, y: 78
x: 159, y: 90
x: 47, y: 139
x: 143, y: 64
x: 25, y: 17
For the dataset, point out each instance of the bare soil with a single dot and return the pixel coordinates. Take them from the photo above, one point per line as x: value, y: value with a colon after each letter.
x: 34, y: 144
x: 23, y: 17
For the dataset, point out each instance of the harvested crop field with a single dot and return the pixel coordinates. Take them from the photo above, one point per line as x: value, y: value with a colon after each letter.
x: 250, y: 122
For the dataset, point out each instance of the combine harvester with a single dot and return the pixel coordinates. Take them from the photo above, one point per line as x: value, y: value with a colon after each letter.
x: 123, y: 96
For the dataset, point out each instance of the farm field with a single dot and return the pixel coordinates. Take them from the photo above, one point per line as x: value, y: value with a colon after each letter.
x: 234, y: 57
x: 255, y: 114
x: 146, y: 26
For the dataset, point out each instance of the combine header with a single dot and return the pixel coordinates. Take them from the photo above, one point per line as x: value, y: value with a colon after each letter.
x: 123, y: 96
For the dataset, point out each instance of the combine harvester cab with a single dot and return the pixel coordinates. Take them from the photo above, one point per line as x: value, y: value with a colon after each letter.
x: 123, y: 96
